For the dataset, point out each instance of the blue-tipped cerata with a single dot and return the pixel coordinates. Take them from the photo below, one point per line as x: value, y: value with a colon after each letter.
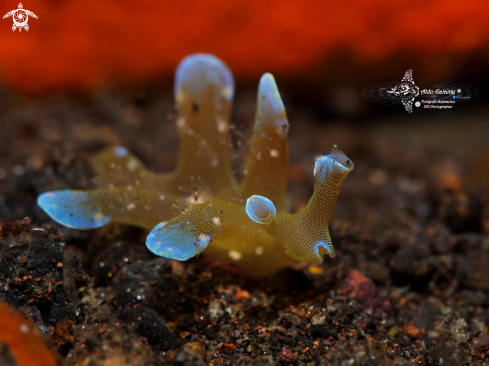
x: 269, y: 97
x: 177, y: 240
x: 260, y: 209
x: 74, y: 209
x: 200, y: 71
x: 270, y: 109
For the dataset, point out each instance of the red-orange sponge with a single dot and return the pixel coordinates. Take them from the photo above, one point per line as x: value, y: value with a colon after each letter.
x: 79, y: 44
x: 24, y: 340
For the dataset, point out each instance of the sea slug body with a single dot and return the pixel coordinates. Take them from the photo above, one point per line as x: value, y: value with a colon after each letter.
x: 201, y: 207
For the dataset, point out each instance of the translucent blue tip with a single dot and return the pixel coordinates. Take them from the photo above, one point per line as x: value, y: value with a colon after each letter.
x: 327, y: 165
x: 74, y: 209
x: 121, y: 151
x: 269, y: 99
x: 200, y: 71
x: 326, y: 247
x: 260, y: 209
x: 180, y: 240
x: 270, y: 108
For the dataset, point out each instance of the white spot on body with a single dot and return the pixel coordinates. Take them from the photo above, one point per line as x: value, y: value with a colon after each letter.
x: 99, y: 216
x: 202, y: 143
x: 274, y: 153
x: 259, y: 250
x: 162, y: 198
x: 214, y: 162
x: 221, y: 125
x: 131, y: 206
x: 203, y: 237
x: 194, y: 199
x: 204, y: 240
x: 235, y: 255
x: 190, y: 132
x: 181, y: 122
x: 50, y: 194
x: 226, y: 92
x: 132, y: 164
x: 216, y: 221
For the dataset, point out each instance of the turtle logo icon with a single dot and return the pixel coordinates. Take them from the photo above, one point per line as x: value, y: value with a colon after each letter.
x: 20, y: 17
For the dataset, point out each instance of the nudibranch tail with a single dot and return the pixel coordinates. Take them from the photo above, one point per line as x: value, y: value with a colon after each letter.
x: 305, y: 235
x: 269, y: 155
x: 204, y: 89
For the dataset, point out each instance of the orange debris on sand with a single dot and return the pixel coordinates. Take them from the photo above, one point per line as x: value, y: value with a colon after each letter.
x: 242, y: 295
x: 414, y: 332
x: 78, y: 45
x: 23, y: 339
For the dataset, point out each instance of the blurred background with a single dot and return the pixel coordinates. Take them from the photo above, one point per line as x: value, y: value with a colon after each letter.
x: 95, y: 73
x: 322, y: 52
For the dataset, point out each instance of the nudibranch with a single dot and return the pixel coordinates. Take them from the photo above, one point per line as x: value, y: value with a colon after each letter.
x: 201, y: 205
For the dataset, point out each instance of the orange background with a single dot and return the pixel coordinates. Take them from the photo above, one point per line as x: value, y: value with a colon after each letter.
x: 80, y: 44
